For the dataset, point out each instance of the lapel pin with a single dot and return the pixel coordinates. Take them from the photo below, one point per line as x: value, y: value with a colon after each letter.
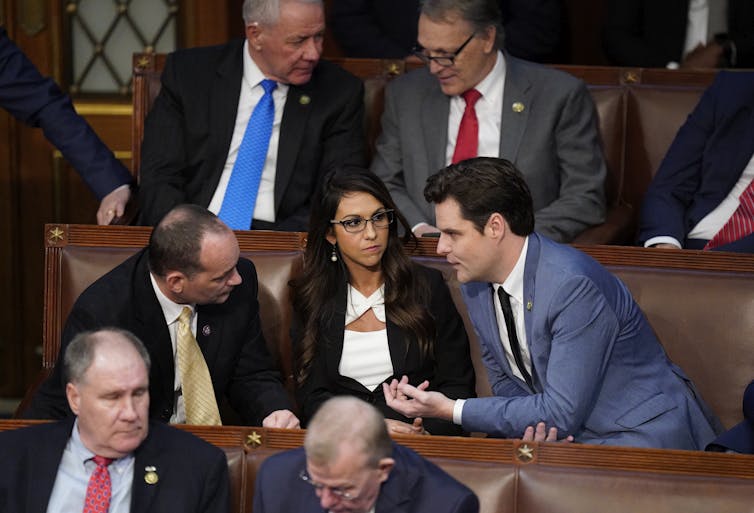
x: 518, y: 107
x: 304, y: 99
x: 151, y: 475
x: 206, y: 330
x: 529, y: 305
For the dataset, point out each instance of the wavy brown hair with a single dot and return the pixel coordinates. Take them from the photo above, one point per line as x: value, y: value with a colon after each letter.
x: 315, y: 291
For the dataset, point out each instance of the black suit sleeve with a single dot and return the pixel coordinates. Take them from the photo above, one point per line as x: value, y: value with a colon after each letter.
x: 532, y: 28
x: 637, y: 33
x: 255, y: 389
x: 741, y: 31
x: 381, y: 29
x: 163, y: 152
x: 314, y: 390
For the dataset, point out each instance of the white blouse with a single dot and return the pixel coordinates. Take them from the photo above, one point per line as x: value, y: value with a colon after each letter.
x: 366, y: 354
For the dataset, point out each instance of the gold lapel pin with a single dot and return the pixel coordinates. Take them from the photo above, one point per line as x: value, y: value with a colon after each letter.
x: 529, y: 305
x: 151, y: 475
x: 518, y: 107
x: 304, y: 99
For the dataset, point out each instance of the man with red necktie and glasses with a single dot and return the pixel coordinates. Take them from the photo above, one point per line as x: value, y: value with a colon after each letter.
x: 473, y: 99
x: 110, y: 458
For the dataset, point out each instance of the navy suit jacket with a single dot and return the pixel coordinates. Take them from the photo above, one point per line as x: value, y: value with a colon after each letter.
x: 39, y: 102
x: 415, y: 485
x: 229, y: 335
x: 599, y: 372
x: 704, y: 162
x: 652, y: 33
x: 193, y: 475
x: 189, y: 129
x: 739, y: 438
x: 448, y: 369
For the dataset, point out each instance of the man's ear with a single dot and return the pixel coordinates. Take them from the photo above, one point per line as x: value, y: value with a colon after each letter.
x: 254, y: 35
x: 176, y: 281
x: 74, y: 397
x: 497, y: 226
x: 384, y: 466
x: 490, y: 35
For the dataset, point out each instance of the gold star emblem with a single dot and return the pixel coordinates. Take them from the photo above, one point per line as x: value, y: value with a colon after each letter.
x: 144, y: 61
x: 525, y: 453
x: 254, y: 439
x: 56, y: 235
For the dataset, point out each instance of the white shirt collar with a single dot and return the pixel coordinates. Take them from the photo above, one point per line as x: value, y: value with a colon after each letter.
x: 514, y: 283
x: 494, y: 80
x: 252, y: 75
x: 170, y: 309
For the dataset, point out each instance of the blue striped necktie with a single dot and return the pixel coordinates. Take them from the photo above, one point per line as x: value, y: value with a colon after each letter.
x: 241, y: 195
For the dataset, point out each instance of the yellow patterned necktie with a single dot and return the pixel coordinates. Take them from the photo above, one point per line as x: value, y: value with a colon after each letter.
x: 198, y: 393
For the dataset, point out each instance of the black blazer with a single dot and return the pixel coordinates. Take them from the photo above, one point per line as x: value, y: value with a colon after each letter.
x: 229, y: 335
x: 188, y: 132
x: 193, y: 475
x: 651, y: 33
x: 449, y: 370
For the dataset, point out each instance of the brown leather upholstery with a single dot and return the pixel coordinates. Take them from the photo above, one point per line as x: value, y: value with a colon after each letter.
x: 639, y: 111
x: 700, y: 304
x: 511, y: 476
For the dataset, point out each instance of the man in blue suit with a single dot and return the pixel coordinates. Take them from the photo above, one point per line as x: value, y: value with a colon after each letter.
x: 349, y: 465
x: 39, y: 102
x: 706, y: 172
x: 562, y: 339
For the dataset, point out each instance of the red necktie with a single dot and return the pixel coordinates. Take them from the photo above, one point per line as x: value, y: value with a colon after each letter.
x: 99, y: 489
x: 740, y: 224
x: 467, y: 141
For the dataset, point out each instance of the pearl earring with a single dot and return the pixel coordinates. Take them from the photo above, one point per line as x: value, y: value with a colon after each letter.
x: 334, y: 254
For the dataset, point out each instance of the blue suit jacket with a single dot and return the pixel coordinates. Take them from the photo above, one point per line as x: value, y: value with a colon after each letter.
x: 599, y: 372
x: 37, y: 101
x: 704, y: 162
x: 415, y: 485
x: 193, y: 475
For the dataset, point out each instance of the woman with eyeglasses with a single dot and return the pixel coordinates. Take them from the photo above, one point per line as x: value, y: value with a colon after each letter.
x: 365, y: 313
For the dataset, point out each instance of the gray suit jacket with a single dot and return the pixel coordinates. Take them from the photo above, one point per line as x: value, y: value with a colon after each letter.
x: 599, y: 372
x: 554, y: 142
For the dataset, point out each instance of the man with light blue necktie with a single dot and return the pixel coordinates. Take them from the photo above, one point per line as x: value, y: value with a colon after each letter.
x: 247, y: 129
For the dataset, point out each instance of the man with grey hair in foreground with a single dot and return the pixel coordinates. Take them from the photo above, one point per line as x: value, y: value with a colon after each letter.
x: 249, y: 128
x: 349, y: 464
x: 110, y: 457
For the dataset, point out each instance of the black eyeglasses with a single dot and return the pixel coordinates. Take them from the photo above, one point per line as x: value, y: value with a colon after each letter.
x: 337, y: 491
x: 441, y: 60
x: 358, y: 224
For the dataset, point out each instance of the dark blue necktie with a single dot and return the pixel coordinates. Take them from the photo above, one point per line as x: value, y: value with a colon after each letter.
x: 241, y: 195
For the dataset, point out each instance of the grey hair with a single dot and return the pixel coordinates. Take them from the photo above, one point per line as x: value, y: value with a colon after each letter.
x: 481, y: 14
x: 80, y: 352
x: 266, y: 12
x: 346, y: 420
